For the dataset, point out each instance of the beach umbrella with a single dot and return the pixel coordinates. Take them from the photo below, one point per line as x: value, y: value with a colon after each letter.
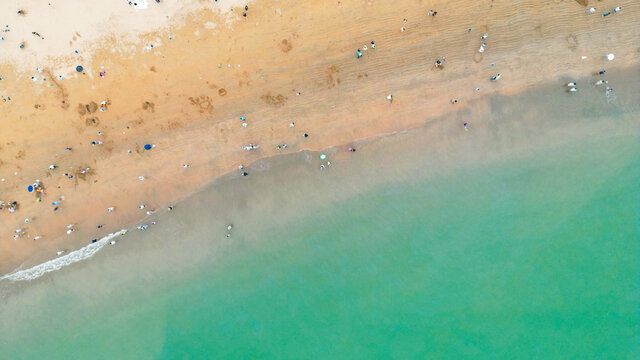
x: 30, y: 188
x: 79, y: 68
x: 147, y: 147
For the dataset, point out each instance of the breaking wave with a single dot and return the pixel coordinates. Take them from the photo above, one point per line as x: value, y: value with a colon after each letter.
x: 62, y: 261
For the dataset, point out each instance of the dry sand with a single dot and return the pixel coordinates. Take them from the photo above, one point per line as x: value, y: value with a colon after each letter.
x: 176, y: 96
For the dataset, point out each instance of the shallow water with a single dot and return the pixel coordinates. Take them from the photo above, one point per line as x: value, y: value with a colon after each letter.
x: 515, y: 239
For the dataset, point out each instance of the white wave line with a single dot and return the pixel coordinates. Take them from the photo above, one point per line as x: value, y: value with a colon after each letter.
x: 66, y: 260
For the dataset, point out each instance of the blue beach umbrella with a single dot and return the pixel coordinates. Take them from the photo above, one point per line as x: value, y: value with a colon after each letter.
x: 30, y: 188
x: 147, y: 147
x: 79, y: 68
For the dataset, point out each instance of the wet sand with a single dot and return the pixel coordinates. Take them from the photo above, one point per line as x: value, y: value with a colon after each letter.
x: 176, y: 96
x: 401, y: 229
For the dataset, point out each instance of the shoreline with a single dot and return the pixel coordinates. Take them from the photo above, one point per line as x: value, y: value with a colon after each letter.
x: 197, y: 124
x: 336, y: 154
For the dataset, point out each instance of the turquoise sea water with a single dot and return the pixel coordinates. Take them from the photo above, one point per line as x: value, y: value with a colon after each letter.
x: 534, y: 255
x: 512, y: 263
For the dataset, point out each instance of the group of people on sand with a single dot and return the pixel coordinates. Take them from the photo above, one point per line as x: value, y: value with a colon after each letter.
x: 12, y: 206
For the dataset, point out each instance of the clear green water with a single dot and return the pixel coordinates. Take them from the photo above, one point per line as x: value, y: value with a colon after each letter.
x: 532, y: 258
x: 510, y: 261
x: 517, y: 239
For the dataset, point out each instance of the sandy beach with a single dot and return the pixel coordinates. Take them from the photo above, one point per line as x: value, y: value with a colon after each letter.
x: 186, y: 77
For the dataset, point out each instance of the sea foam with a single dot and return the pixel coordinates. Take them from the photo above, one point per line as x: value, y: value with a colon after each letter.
x: 65, y: 260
